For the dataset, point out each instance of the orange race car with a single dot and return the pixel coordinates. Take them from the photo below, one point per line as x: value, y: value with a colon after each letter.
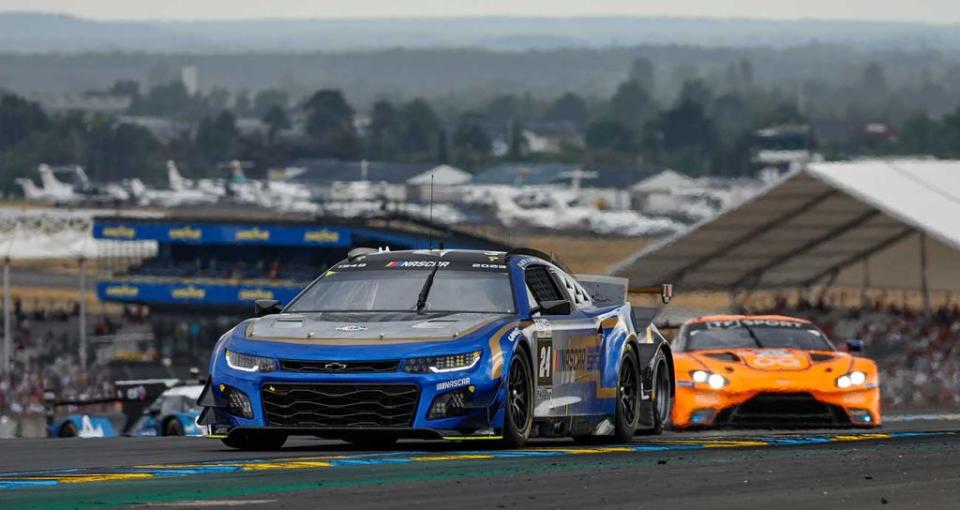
x: 769, y: 371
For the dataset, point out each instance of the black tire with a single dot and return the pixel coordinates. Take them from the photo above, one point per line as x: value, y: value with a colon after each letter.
x: 661, y: 396
x: 68, y: 429
x: 173, y: 427
x: 255, y: 440
x: 628, y: 398
x: 371, y: 441
x: 518, y: 410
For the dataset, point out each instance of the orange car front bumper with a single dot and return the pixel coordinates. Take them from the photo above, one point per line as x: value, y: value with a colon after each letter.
x: 759, y: 407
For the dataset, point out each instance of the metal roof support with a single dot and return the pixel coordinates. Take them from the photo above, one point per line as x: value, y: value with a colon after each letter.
x: 757, y: 273
x: 924, y: 288
x: 753, y: 234
x: 862, y: 255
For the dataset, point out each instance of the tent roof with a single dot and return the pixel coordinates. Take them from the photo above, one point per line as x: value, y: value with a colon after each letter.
x: 863, y: 222
x: 442, y: 175
x: 666, y: 179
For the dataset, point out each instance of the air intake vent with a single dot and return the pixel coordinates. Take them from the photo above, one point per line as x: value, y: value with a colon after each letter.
x: 817, y: 357
x: 724, y: 356
x: 319, y: 406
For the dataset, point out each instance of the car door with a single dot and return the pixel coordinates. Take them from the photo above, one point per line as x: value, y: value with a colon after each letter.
x: 568, y: 345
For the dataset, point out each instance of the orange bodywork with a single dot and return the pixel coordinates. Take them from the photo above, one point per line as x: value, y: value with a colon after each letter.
x: 764, y: 386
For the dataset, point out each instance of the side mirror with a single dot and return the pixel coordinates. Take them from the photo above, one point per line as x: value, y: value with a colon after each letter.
x: 854, y: 345
x: 263, y: 307
x: 561, y: 307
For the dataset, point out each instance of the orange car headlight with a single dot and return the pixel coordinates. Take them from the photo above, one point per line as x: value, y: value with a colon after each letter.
x: 715, y: 381
x: 855, y: 378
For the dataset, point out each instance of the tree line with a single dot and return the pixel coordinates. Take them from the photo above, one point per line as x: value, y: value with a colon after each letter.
x: 707, y: 128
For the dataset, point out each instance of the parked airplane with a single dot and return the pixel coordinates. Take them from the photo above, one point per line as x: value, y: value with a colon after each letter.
x: 81, y: 190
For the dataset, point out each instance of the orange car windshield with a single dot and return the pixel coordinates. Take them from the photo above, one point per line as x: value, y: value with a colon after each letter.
x: 739, y: 335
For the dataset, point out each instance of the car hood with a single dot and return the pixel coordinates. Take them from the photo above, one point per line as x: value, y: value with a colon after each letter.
x: 772, y: 360
x: 330, y: 328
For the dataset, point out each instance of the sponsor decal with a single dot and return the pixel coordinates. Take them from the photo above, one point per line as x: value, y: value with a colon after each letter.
x: 351, y: 328
x: 456, y: 383
x: 321, y: 236
x: 514, y: 335
x: 577, y: 359
x: 185, y: 233
x: 543, y: 327
x: 489, y: 266
x: 119, y: 232
x: 128, y: 291
x: 253, y: 234
x: 352, y: 266
x: 544, y: 362
x: 770, y: 358
x: 189, y: 292
x: 254, y: 294
x: 402, y: 264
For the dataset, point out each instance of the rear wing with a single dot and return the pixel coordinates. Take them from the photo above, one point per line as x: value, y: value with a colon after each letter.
x: 665, y: 291
x: 614, y: 290
x: 605, y: 290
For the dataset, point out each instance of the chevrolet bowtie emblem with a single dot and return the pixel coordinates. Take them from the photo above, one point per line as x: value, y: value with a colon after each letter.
x: 334, y: 366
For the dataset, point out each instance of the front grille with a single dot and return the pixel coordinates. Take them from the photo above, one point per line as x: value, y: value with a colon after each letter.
x: 340, y: 367
x: 783, y: 410
x: 340, y: 405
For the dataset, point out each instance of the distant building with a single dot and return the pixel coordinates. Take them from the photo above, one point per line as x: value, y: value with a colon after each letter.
x: 88, y: 103
x: 162, y: 128
x: 552, y: 137
x: 783, y: 148
x: 441, y: 184
x: 337, y: 180
x: 189, y: 78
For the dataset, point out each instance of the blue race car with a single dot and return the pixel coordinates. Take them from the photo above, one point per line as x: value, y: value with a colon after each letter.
x: 173, y: 413
x: 452, y: 344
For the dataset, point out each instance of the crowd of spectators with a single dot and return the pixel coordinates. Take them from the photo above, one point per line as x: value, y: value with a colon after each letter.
x: 918, y: 353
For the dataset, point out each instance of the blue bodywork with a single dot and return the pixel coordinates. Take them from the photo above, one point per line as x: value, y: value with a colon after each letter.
x: 81, y: 425
x: 575, y: 359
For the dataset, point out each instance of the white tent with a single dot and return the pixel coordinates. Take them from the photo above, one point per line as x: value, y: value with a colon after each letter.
x: 892, y: 224
x: 443, y: 175
x: 667, y: 180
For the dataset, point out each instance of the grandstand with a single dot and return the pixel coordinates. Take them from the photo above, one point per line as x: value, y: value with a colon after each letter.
x: 206, y: 271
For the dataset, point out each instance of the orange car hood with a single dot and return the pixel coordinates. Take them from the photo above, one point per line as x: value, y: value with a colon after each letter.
x: 771, y: 360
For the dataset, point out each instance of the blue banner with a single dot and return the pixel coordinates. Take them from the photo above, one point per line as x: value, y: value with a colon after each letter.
x: 215, y: 233
x: 186, y: 292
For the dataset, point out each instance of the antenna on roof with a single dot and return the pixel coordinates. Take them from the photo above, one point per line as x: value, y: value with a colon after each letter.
x: 430, y: 241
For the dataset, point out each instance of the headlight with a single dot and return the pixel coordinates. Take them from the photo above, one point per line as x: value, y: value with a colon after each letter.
x: 248, y: 363
x: 715, y: 381
x: 855, y: 378
x: 441, y: 364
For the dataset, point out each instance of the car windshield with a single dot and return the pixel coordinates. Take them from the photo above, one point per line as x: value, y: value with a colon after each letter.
x: 398, y: 290
x: 746, y: 334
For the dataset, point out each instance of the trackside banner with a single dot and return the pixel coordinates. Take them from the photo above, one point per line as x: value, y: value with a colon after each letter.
x: 196, y: 293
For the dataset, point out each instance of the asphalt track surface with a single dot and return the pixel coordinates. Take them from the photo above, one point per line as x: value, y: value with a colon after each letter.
x: 906, y: 464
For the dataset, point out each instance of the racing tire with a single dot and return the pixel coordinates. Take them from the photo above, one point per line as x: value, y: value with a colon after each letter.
x: 68, y: 429
x: 173, y: 427
x: 255, y: 440
x: 518, y: 411
x: 662, y: 396
x: 372, y: 441
x: 628, y: 398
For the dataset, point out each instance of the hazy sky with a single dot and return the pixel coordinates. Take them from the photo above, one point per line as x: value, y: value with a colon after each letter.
x: 936, y: 11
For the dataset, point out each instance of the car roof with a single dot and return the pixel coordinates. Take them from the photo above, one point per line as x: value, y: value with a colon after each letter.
x: 721, y: 317
x: 434, y: 254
